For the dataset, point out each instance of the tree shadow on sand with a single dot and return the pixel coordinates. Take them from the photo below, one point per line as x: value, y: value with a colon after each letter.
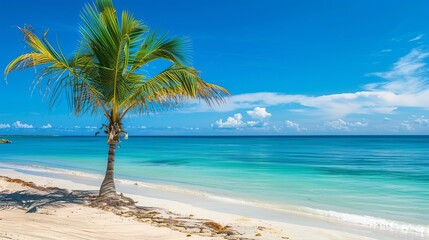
x: 32, y: 201
x: 35, y: 198
x: 40, y: 197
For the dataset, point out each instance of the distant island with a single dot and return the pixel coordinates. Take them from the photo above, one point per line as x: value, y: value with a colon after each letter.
x: 5, y: 141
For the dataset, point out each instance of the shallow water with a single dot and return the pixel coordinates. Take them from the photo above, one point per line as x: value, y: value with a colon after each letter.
x: 347, y: 178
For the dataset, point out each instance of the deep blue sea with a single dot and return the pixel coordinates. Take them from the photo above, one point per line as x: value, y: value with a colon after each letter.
x: 385, y: 177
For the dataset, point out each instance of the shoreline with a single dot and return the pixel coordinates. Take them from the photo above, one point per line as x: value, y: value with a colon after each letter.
x: 169, y: 198
x: 31, y: 211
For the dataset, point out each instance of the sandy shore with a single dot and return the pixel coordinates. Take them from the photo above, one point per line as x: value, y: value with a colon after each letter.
x: 28, y: 212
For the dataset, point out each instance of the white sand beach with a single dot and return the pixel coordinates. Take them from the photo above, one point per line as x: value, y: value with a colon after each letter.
x: 64, y: 219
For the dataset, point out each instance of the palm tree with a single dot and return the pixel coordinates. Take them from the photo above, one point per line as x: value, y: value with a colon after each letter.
x: 107, y: 74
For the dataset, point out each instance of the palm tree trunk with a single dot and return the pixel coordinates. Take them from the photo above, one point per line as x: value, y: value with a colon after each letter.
x: 107, y: 188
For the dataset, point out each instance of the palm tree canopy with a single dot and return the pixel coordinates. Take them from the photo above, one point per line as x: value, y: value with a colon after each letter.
x: 106, y: 73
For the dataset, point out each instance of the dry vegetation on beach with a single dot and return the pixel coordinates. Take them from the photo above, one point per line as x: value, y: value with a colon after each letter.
x: 61, y: 213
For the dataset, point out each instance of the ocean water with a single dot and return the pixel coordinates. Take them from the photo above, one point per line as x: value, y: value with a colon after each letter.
x: 374, y: 180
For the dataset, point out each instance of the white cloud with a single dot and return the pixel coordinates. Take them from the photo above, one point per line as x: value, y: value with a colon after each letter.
x: 407, y: 76
x: 291, y: 124
x: 259, y: 113
x: 90, y: 127
x: 47, y: 126
x: 252, y: 123
x: 4, y: 125
x: 337, y: 124
x: 358, y: 124
x: 418, y: 37
x: 294, y: 125
x: 422, y: 120
x: 405, y: 85
x: 236, y: 121
x: 231, y: 122
x: 76, y: 127
x: 334, y: 105
x: 18, y: 124
x: 138, y: 127
x: 386, y: 50
x: 256, y: 124
x: 340, y: 124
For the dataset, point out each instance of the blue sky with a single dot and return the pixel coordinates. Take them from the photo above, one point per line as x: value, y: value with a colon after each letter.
x: 293, y: 67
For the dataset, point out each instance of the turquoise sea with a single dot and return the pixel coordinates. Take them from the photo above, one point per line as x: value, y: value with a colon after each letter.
x: 383, y: 179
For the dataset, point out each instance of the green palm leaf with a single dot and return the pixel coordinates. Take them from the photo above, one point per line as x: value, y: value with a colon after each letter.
x: 106, y: 74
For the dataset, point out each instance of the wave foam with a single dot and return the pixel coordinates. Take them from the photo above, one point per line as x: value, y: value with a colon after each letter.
x: 38, y: 168
x: 370, y: 221
x: 363, y: 220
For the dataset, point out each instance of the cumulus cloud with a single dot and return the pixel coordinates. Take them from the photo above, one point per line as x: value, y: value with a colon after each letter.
x: 231, y: 122
x: 47, y: 126
x: 294, y: 125
x: 90, y: 127
x: 259, y: 113
x: 76, y: 127
x: 252, y: 123
x: 341, y: 124
x: 18, y: 124
x: 256, y: 124
x: 4, y: 125
x: 422, y: 120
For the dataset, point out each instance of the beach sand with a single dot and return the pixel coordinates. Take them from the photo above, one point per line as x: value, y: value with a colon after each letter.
x: 38, y: 212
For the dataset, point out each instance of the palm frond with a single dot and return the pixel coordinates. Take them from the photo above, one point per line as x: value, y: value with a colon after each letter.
x: 41, y: 53
x: 171, y: 88
x: 105, y: 76
x: 156, y: 46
